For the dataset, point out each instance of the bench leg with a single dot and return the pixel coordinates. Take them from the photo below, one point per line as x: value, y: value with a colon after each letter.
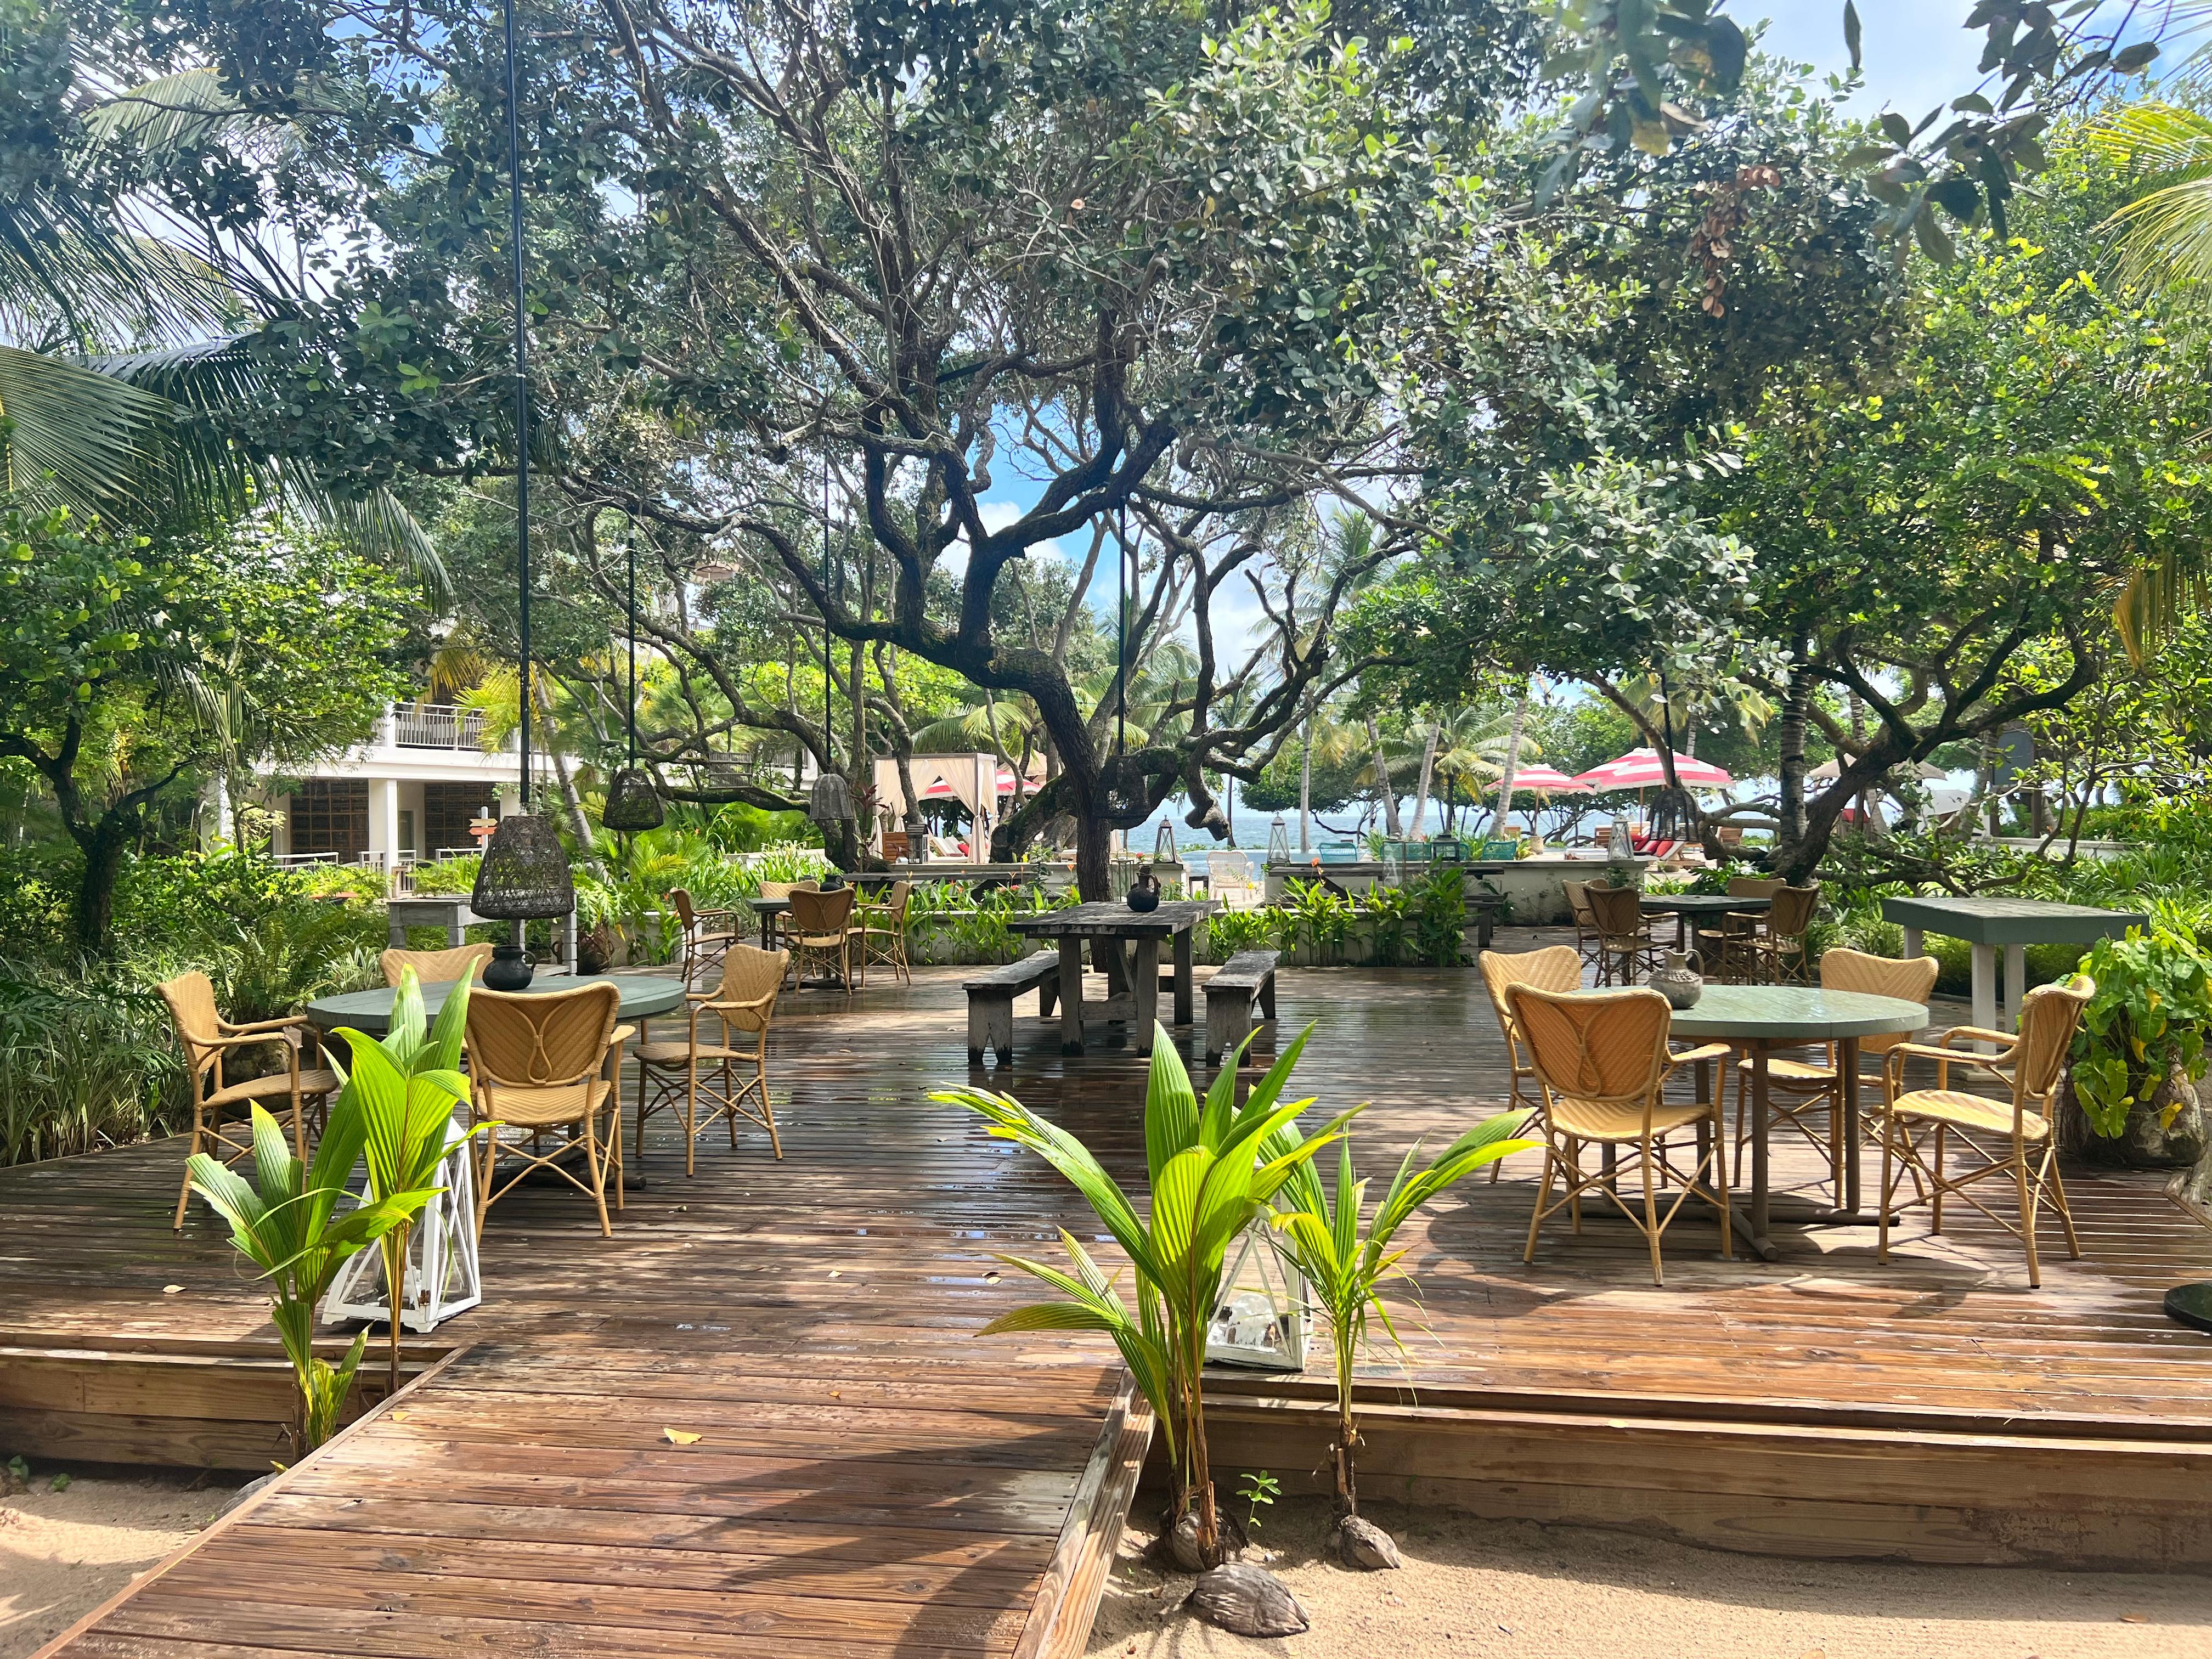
x: 1048, y: 996
x: 1267, y: 997
x: 1182, y: 974
x: 1227, y: 1023
x: 999, y: 1027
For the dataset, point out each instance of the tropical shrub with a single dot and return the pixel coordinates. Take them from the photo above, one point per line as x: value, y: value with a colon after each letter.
x: 1439, y: 917
x: 85, y: 1061
x: 1210, y: 1171
x: 2145, y: 1022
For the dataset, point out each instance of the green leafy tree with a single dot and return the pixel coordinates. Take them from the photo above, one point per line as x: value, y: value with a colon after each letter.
x: 131, y: 669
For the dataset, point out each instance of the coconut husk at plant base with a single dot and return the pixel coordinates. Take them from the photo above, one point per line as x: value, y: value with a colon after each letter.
x: 2145, y: 1143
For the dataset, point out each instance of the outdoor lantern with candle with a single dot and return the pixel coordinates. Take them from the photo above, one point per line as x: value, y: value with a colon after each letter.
x: 1278, y: 841
x: 1261, y: 1319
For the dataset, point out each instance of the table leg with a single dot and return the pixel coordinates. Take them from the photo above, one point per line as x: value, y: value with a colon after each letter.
x: 2015, y: 983
x: 766, y: 921
x: 1847, y: 1132
x: 1071, y: 996
x: 1761, y: 1105
x: 1144, y: 981
x: 1184, y: 946
x: 1913, y: 944
x: 456, y: 935
x: 1985, y: 990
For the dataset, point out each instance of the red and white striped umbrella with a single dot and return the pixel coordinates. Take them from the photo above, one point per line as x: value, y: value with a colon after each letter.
x: 1641, y: 769
x: 1546, y: 780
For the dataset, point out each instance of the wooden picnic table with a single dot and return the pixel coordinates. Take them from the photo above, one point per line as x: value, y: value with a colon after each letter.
x: 1130, y: 942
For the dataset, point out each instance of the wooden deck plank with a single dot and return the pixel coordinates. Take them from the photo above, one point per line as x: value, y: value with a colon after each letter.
x: 871, y: 1478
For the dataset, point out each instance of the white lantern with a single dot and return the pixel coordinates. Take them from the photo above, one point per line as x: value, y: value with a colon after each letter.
x: 1259, y: 1320
x: 441, y: 1278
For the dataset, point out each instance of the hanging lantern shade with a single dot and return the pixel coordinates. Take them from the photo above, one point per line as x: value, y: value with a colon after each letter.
x: 1121, y: 803
x: 524, y: 874
x: 832, y: 801
x: 632, y: 804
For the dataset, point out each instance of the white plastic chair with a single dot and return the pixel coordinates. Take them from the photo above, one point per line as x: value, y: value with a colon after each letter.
x: 1229, y: 880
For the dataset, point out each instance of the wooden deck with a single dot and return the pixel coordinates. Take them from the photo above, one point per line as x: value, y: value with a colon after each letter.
x: 870, y: 1478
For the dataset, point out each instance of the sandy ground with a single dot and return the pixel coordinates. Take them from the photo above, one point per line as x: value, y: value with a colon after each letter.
x: 1475, y: 1586
x: 62, y: 1554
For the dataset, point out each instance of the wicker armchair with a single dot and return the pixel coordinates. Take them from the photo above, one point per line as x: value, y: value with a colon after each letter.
x: 1726, y: 948
x: 1778, y: 952
x: 436, y: 967
x: 1807, y: 1094
x: 721, y: 1063
x: 1625, y: 947
x: 206, y: 1037
x: 879, y: 934
x: 1555, y: 968
x: 819, y: 933
x: 1602, y: 1063
x: 545, y: 1061
x: 708, y: 934
x: 2007, y: 1139
x: 1589, y: 938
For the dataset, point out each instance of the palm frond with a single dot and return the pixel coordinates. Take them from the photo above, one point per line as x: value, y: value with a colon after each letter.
x: 75, y: 435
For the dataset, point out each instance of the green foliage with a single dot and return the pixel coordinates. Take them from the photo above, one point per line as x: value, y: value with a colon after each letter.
x: 1345, y: 1271
x: 1439, y: 917
x: 85, y: 1061
x: 285, y: 1222
x: 1258, y: 1491
x: 2146, y: 1022
x: 1212, y: 1170
x: 1325, y: 917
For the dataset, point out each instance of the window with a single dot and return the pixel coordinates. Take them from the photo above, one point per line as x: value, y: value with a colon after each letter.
x: 446, y: 809
x: 408, y: 849
x: 331, y: 814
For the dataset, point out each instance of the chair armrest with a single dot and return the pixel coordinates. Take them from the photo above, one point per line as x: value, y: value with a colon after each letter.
x: 248, y: 1039
x: 284, y: 1023
x: 1704, y: 1051
x: 621, y: 1034
x: 734, y: 1007
x: 1978, y: 1034
x: 1930, y: 1051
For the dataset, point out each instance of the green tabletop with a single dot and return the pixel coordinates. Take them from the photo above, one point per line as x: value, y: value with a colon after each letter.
x: 2011, y: 921
x: 642, y: 996
x: 1787, y: 1013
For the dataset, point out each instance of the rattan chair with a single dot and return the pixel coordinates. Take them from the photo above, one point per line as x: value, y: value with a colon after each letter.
x: 1777, y: 946
x: 1726, y: 947
x: 1555, y: 968
x: 1625, y: 947
x: 1602, y: 1064
x: 436, y: 967
x: 819, y: 933
x: 708, y: 934
x: 544, y: 1061
x: 1589, y: 938
x: 712, y: 1065
x: 206, y: 1037
x: 2006, y: 1138
x: 879, y: 934
x: 1803, y: 1093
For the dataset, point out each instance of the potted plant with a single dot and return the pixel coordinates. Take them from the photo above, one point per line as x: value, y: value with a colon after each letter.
x: 2139, y: 1049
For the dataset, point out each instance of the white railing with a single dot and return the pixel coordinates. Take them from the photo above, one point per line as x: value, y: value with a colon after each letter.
x: 416, y: 726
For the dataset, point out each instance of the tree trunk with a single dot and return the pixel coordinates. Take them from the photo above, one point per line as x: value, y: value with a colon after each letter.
x: 1383, y: 785
x: 1789, y: 833
x: 103, y: 848
x: 1306, y: 787
x: 1421, y: 794
x: 1513, y: 734
x: 1094, y: 846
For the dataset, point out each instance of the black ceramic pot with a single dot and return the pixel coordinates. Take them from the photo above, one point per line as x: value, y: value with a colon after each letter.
x: 509, y: 969
x: 1143, y: 897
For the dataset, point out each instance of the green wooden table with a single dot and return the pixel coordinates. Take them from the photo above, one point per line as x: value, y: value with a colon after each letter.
x: 643, y: 995
x: 2010, y: 924
x: 1762, y: 1018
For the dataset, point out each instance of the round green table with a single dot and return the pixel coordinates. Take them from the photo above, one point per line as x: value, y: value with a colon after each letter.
x: 1762, y: 1018
x: 643, y: 995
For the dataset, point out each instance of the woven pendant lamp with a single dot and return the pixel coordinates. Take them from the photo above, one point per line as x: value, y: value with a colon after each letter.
x: 632, y: 804
x: 525, y: 875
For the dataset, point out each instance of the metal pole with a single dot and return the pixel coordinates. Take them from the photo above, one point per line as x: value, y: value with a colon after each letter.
x: 521, y: 388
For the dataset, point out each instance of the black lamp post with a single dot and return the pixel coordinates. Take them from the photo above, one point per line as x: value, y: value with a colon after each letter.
x: 524, y: 875
x: 632, y: 804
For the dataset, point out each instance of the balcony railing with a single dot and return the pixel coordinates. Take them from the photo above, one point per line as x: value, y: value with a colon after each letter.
x: 416, y: 727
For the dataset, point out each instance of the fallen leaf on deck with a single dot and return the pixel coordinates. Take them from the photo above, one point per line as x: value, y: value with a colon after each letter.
x: 2133, y: 1618
x: 990, y: 1279
x: 678, y: 1437
x: 836, y: 1273
x: 399, y: 1417
x: 171, y: 1290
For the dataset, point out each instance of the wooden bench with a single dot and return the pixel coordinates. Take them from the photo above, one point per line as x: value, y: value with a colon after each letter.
x: 991, y: 1002
x: 1246, y: 978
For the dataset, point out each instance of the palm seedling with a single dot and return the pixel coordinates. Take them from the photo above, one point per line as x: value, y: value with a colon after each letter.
x: 1212, y: 1170
x: 285, y: 1222
x: 1345, y: 1271
x: 404, y: 1089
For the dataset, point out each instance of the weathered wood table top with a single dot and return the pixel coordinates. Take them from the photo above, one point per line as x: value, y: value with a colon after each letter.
x: 1112, y: 919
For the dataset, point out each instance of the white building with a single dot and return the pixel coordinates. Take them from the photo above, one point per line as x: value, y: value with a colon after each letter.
x: 405, y: 796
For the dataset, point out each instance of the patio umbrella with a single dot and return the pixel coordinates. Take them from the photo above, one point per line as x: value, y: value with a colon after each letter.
x: 1641, y: 769
x: 1547, y: 780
